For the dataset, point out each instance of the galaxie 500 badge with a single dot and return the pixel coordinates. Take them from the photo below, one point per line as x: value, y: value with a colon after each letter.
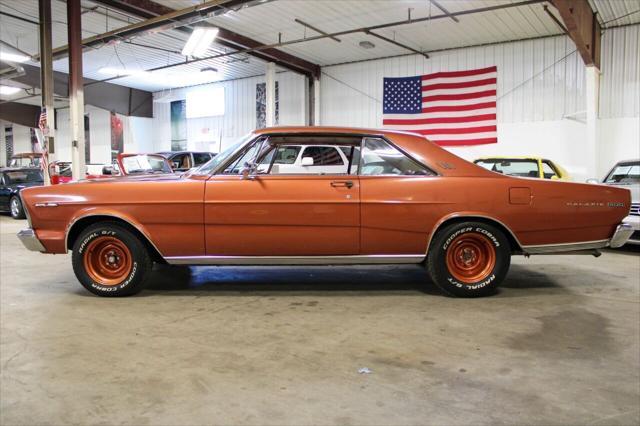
x: 593, y: 204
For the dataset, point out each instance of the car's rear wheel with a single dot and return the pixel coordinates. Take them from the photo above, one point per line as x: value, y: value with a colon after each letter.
x: 15, y: 207
x: 469, y: 259
x: 109, y: 260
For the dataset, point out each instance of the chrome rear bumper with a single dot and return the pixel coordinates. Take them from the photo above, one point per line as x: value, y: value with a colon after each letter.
x: 621, y: 236
x: 30, y: 240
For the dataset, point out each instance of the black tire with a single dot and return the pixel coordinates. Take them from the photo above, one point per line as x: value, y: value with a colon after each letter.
x: 470, y: 244
x: 15, y: 207
x: 100, y: 238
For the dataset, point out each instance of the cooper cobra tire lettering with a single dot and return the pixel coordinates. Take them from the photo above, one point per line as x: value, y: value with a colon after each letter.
x: 436, y: 261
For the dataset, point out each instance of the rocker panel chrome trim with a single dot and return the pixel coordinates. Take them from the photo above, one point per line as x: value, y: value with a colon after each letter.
x: 559, y: 248
x: 296, y: 260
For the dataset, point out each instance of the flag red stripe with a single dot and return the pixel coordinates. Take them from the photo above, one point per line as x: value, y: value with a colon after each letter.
x: 459, y: 73
x: 459, y: 131
x: 480, y: 141
x: 439, y: 120
x: 460, y: 85
x: 449, y: 108
x: 459, y: 96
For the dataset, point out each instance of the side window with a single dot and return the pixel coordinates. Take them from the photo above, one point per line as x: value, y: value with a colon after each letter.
x: 355, y: 161
x: 200, y: 158
x: 181, y: 162
x: 323, y: 155
x: 548, y: 170
x: 381, y: 158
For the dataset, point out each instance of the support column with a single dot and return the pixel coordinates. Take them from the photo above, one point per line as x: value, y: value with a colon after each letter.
x: 46, y: 79
x: 271, y: 94
x: 76, y: 88
x: 592, y: 75
x: 316, y: 101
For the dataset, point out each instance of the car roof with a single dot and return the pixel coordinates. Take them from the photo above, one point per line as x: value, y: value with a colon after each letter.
x: 330, y: 130
x: 512, y: 157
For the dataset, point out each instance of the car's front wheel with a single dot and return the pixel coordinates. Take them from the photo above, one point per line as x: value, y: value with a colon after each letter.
x: 110, y: 260
x: 15, y: 206
x: 469, y: 259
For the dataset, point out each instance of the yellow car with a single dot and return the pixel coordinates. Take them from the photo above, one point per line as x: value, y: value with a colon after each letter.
x: 533, y: 167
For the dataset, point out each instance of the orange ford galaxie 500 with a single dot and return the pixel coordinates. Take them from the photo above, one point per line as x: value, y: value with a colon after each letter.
x: 353, y: 196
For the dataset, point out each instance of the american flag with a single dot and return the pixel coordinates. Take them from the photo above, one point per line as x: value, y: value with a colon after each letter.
x: 449, y: 108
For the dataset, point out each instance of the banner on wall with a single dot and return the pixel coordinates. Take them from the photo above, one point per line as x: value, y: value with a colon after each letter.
x: 87, y: 141
x: 8, y: 140
x: 455, y: 108
x: 117, y: 136
x: 261, y: 105
x: 179, y: 125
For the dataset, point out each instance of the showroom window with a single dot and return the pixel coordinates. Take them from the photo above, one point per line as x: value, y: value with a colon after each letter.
x: 381, y: 158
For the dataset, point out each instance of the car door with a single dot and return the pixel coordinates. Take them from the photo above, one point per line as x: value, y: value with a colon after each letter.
x: 400, y: 200
x: 5, y: 193
x: 282, y: 215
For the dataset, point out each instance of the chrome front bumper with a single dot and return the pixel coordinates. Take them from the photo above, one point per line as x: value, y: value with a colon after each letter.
x: 622, y: 235
x: 30, y: 240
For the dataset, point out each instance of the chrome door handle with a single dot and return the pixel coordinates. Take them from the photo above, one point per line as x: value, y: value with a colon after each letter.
x: 340, y: 183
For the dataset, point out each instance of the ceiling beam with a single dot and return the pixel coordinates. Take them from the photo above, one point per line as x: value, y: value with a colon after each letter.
x: 22, y: 114
x: 582, y: 26
x: 112, y: 97
x: 148, y: 9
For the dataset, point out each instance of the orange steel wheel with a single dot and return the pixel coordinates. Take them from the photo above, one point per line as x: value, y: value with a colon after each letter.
x: 107, y: 260
x: 471, y: 258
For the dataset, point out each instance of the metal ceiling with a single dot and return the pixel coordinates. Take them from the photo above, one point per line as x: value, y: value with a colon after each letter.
x: 164, y: 48
x: 616, y: 13
x: 275, y: 21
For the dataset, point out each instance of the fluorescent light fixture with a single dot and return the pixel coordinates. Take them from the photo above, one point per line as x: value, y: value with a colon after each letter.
x: 13, y: 57
x: 199, y: 41
x: 9, y: 90
x: 121, y: 71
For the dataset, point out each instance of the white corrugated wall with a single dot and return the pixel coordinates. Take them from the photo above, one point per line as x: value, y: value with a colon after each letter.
x: 620, y: 78
x: 240, y: 110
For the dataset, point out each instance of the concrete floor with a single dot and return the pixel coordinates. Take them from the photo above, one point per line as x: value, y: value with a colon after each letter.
x: 278, y: 346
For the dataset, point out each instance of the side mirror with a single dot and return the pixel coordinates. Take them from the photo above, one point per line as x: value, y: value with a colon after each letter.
x: 307, y: 161
x: 249, y: 171
x: 593, y: 180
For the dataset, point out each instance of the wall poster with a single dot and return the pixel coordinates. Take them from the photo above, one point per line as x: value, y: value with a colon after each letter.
x: 117, y: 136
x: 179, y: 125
x: 261, y: 105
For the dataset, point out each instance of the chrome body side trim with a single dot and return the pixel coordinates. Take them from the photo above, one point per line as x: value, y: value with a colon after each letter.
x: 70, y: 226
x: 563, y: 247
x: 30, y: 240
x: 618, y: 239
x: 296, y: 260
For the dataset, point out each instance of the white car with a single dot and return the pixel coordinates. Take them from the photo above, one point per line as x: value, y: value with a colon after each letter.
x: 626, y: 174
x: 311, y: 159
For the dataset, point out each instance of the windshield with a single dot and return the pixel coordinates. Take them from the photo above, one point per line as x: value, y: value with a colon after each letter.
x: 219, y: 159
x: 626, y: 173
x: 23, y: 176
x: 511, y: 167
x: 143, y: 163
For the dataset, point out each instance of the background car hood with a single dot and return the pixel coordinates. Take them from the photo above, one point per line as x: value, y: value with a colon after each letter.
x: 19, y: 186
x: 634, y: 188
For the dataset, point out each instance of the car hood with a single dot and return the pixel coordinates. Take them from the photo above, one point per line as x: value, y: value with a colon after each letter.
x: 136, y: 178
x: 634, y: 188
